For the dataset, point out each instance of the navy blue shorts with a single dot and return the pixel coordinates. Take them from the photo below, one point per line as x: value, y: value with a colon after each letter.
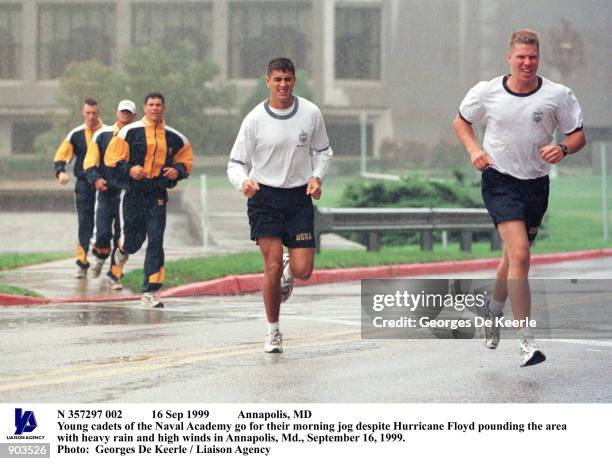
x: 508, y: 198
x: 285, y: 213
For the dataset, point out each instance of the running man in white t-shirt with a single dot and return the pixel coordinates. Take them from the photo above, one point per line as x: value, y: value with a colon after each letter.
x: 285, y: 141
x: 521, y: 112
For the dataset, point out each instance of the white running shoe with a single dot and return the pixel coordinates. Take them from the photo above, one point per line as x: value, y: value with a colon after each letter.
x: 96, y: 269
x: 286, y: 283
x: 81, y: 272
x: 491, y: 333
x: 530, y: 352
x: 274, y: 342
x: 151, y: 300
x: 114, y: 284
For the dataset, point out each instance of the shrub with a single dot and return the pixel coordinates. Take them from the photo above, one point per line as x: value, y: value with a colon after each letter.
x: 412, y: 191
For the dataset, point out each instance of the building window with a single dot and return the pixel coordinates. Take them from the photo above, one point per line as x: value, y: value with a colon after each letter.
x: 169, y: 24
x: 260, y: 32
x: 69, y: 33
x: 10, y: 41
x: 25, y: 132
x: 346, y: 138
x: 358, y: 43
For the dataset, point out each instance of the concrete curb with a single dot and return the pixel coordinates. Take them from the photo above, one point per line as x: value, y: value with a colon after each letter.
x: 248, y: 283
x: 11, y: 300
x: 233, y: 285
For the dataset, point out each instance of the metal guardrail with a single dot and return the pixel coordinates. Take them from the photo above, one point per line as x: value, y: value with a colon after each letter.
x: 425, y: 220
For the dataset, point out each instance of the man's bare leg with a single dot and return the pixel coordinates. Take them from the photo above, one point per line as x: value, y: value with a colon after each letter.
x: 494, y: 307
x: 301, y: 262
x: 298, y: 263
x: 272, y: 252
x: 500, y: 293
x: 516, y: 252
x: 516, y: 246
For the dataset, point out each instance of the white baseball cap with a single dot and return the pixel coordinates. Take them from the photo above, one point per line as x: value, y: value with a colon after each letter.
x: 127, y: 105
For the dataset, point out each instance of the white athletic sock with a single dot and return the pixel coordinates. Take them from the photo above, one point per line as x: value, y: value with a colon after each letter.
x: 524, y: 332
x: 273, y: 327
x: 496, y: 307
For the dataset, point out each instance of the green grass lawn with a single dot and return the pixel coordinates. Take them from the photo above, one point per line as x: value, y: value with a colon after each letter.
x: 574, y: 222
x: 332, y: 191
x: 185, y: 271
x: 14, y: 260
x: 574, y: 216
x: 10, y: 290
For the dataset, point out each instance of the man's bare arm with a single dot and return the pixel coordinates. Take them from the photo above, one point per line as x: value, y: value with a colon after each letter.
x: 479, y: 159
x: 553, y: 153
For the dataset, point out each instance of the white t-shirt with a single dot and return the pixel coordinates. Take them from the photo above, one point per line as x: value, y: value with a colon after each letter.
x: 278, y: 144
x: 518, y: 125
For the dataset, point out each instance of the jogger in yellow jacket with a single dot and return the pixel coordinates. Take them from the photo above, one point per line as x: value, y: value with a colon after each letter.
x: 107, y: 223
x: 149, y: 157
x: 74, y: 147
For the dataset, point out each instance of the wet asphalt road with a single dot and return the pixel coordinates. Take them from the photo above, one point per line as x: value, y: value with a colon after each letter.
x: 209, y: 349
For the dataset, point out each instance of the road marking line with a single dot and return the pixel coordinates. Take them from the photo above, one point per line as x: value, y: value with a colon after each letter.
x: 149, y: 363
x: 172, y: 355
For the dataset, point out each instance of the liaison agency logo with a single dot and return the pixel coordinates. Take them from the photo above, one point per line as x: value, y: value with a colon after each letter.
x: 24, y: 423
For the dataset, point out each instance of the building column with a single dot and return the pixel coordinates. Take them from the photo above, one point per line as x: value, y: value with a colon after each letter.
x: 317, y: 56
x: 220, y: 36
x: 123, y: 26
x: 490, y: 12
x: 6, y: 129
x: 328, y: 18
x: 332, y: 95
x: 464, y: 25
x: 29, y: 52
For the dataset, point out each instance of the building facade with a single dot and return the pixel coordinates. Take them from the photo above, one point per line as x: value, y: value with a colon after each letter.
x: 403, y: 65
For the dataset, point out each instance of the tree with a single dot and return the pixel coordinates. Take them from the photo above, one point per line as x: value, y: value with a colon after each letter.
x: 196, y: 105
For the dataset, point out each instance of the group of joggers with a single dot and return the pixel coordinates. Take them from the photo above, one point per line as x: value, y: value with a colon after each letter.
x: 279, y: 160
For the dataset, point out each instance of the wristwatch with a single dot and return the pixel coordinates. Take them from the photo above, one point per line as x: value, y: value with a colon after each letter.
x: 564, y: 149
